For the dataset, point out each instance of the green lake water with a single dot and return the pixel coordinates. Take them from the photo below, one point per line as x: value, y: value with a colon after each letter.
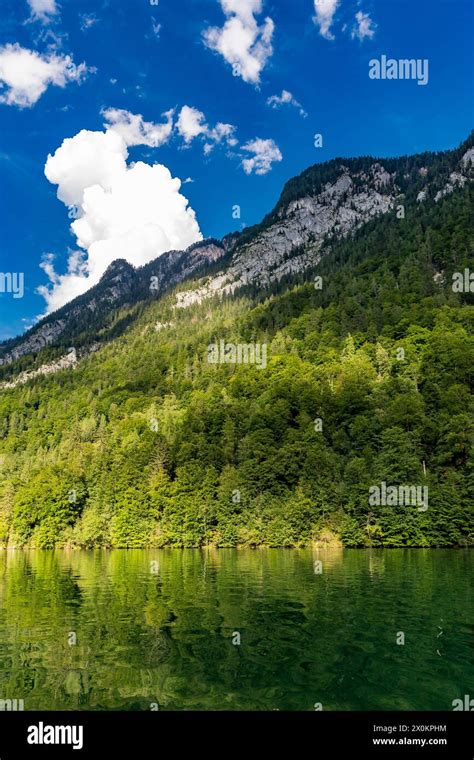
x: 148, y: 629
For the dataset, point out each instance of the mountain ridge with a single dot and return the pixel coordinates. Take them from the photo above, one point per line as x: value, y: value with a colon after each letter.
x: 261, y: 254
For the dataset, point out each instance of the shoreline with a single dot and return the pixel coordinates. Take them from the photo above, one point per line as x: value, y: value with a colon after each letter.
x: 212, y: 547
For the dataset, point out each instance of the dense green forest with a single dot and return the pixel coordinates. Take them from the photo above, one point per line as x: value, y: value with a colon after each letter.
x: 368, y: 380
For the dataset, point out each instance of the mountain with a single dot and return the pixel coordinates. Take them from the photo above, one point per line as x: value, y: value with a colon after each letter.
x: 120, y: 284
x: 327, y: 201
x: 305, y: 381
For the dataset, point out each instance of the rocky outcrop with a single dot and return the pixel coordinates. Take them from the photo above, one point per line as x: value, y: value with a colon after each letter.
x: 174, y: 266
x: 115, y: 283
x: 119, y: 283
x: 340, y: 208
x: 467, y: 161
x: 41, y: 337
x: 64, y: 362
x: 456, y: 179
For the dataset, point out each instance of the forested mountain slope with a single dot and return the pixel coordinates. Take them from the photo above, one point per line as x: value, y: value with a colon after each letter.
x: 366, y: 380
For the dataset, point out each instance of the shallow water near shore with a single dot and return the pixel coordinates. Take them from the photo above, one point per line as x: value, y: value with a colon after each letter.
x: 160, y: 629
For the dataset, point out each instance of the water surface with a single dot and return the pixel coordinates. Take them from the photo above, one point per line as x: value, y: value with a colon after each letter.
x: 159, y: 629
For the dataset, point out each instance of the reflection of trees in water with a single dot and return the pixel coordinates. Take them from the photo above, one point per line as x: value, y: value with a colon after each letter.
x: 166, y: 635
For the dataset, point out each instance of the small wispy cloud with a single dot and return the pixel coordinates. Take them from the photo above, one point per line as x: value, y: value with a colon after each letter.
x: 156, y: 28
x: 242, y: 42
x: 192, y: 123
x: 263, y: 154
x: 43, y: 10
x: 25, y: 74
x: 87, y: 20
x: 364, y: 27
x: 286, y: 98
x: 325, y: 11
x: 135, y: 130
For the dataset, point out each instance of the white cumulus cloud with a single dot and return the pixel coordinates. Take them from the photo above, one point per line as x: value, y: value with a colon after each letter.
x: 286, y: 98
x: 123, y: 210
x: 43, y: 10
x: 192, y: 123
x: 136, y: 131
x: 222, y: 132
x: 265, y: 153
x: 365, y: 27
x: 242, y: 42
x: 25, y: 74
x: 325, y: 10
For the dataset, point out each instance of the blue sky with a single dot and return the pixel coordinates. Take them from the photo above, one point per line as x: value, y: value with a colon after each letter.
x: 265, y: 75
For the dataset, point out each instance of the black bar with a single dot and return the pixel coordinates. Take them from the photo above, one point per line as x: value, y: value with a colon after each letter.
x: 312, y: 734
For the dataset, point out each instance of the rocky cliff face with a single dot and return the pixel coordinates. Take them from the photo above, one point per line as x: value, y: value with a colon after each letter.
x: 306, y: 223
x: 41, y: 337
x: 175, y: 266
x: 341, y: 207
x: 68, y: 361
